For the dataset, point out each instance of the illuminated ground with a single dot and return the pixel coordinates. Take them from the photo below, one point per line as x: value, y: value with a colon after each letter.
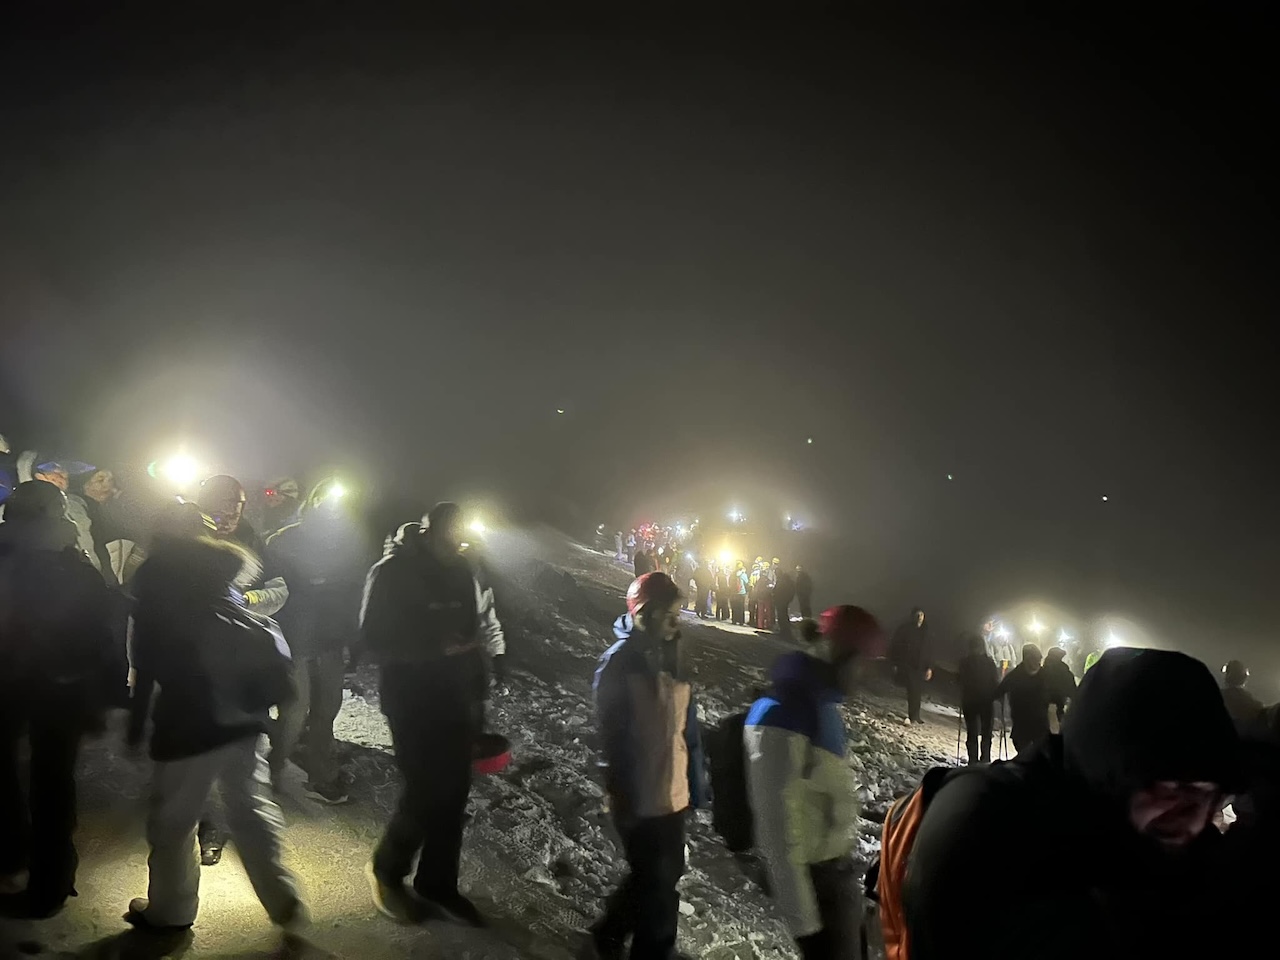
x: 539, y: 854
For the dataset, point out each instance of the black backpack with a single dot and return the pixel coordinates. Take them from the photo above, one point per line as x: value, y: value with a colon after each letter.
x: 730, y: 802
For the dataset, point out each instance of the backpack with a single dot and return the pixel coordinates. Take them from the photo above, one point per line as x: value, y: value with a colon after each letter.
x: 730, y: 802
x: 887, y: 873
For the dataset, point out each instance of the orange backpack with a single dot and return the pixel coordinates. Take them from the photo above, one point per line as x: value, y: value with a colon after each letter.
x: 888, y: 873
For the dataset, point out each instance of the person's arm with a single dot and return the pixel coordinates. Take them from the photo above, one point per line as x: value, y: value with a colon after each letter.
x: 776, y: 761
x: 614, y: 718
x: 377, y: 617
x: 495, y: 642
x: 697, y: 764
x: 268, y: 600
x: 1002, y: 688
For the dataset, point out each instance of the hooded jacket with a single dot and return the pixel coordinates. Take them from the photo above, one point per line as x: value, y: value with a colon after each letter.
x: 55, y: 635
x: 651, y: 747
x: 218, y: 667
x: 419, y: 609
x: 77, y: 512
x: 1051, y: 830
x: 802, y: 790
x: 911, y: 649
x: 1029, y: 698
x: 979, y: 677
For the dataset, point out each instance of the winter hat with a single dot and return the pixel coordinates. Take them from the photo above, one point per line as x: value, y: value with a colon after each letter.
x: 35, y: 500
x: 851, y: 631
x: 651, y: 587
x: 1055, y: 653
x: 1031, y: 653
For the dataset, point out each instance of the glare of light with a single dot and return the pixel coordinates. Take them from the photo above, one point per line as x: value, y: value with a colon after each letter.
x: 1112, y: 639
x: 476, y: 526
x: 337, y: 491
x: 1105, y: 498
x: 660, y: 550
x: 1035, y: 626
x: 950, y: 477
x: 181, y: 470
x: 726, y: 556
x: 688, y: 556
x: 1063, y: 636
x: 809, y: 441
x: 680, y: 529
x: 1002, y: 632
x: 560, y: 410
x: 734, y: 515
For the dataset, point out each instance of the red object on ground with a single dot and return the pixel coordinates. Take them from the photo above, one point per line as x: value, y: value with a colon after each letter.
x: 492, y: 753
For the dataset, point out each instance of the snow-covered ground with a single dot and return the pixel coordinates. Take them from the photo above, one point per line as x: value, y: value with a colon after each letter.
x: 539, y: 855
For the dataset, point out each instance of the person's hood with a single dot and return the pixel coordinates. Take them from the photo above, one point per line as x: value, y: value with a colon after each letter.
x: 27, y: 465
x: 1143, y: 716
x: 800, y: 676
x: 199, y: 569
x: 46, y: 534
x: 406, y: 542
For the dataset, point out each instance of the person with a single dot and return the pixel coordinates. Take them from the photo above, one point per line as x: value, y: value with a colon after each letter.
x: 282, y: 507
x: 801, y: 788
x: 222, y: 500
x: 1242, y: 705
x: 1029, y: 695
x: 979, y: 677
x: 1114, y: 820
x: 804, y: 592
x: 1060, y: 683
x: 753, y: 594
x: 643, y: 562
x: 428, y: 623
x: 764, y: 599
x: 651, y: 758
x: 214, y: 670
x: 912, y: 659
x: 325, y: 556
x: 617, y: 545
x: 740, y: 585
x: 55, y: 651
x: 784, y: 594
x: 631, y: 547
x: 57, y: 473
x: 703, y: 578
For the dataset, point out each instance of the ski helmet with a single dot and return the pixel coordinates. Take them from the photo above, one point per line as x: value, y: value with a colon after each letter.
x: 221, y: 490
x: 851, y: 631
x: 1235, y: 673
x: 651, y: 587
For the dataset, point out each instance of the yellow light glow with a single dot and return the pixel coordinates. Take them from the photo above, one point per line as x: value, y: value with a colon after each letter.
x: 477, y: 526
x: 181, y: 470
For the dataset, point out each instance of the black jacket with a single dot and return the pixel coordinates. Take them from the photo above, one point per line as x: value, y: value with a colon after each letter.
x: 784, y: 590
x: 804, y: 585
x: 1029, y: 700
x: 1048, y: 834
x: 911, y: 649
x: 979, y: 677
x: 643, y: 563
x: 218, y: 668
x: 55, y: 633
x: 1060, y: 683
x: 324, y: 560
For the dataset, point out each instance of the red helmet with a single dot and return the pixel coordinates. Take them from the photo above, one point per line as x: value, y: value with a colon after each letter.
x: 652, y: 586
x: 852, y: 631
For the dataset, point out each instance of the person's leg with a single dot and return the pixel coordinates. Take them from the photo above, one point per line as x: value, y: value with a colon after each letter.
x: 327, y: 674
x: 618, y: 920
x: 255, y: 823
x: 55, y: 741
x: 986, y: 721
x: 971, y: 729
x: 445, y: 799
x: 656, y: 870
x: 912, y: 679
x: 840, y: 907
x: 287, y: 729
x: 410, y: 739
x: 178, y: 794
x: 15, y: 826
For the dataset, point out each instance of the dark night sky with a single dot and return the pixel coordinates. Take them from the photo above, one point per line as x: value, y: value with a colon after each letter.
x: 1036, y: 255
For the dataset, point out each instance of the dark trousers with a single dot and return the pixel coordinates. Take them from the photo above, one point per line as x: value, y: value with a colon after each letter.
x: 783, y: 616
x: 806, y: 606
x: 1026, y: 736
x: 979, y: 721
x: 319, y: 681
x: 738, y: 605
x: 722, y: 607
x: 914, y: 683
x: 841, y: 911
x: 433, y: 726
x: 647, y: 905
x: 36, y: 829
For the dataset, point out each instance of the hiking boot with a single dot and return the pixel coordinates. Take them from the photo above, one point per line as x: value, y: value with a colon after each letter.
x: 331, y: 793
x: 393, y: 899
x: 211, y: 844
x: 136, y: 916
x: 454, y: 907
x: 598, y: 948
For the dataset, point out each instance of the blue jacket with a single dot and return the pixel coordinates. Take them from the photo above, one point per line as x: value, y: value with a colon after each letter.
x: 650, y: 744
x: 801, y: 788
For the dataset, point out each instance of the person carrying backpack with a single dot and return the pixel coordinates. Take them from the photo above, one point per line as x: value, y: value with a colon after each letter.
x: 801, y: 790
x: 219, y: 669
x: 1100, y: 839
x: 652, y: 764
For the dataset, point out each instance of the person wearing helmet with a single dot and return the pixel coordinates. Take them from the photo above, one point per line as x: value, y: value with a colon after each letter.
x: 740, y: 586
x: 651, y: 757
x: 222, y: 499
x: 325, y: 556
x: 428, y: 623
x: 803, y: 798
x: 282, y: 505
x: 1243, y: 706
x: 55, y: 649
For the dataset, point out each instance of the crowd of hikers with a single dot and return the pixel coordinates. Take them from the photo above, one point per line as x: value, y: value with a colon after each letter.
x: 1128, y: 791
